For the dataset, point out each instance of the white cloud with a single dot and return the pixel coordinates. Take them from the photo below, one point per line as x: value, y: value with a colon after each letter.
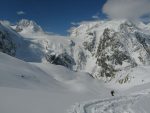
x: 74, y: 23
x: 130, y: 9
x: 95, y: 17
x: 21, y: 13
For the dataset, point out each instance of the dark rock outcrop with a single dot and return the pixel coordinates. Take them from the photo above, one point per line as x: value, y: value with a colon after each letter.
x: 62, y: 59
x: 6, y: 44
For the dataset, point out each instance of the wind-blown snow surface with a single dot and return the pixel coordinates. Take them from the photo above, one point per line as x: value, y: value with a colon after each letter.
x: 33, y: 85
x: 47, y: 88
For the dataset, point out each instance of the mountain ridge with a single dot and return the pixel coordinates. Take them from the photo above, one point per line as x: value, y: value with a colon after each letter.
x: 101, y: 48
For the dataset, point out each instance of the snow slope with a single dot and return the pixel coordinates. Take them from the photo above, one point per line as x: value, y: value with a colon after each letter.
x: 19, y: 74
x: 37, y: 88
x: 122, y: 104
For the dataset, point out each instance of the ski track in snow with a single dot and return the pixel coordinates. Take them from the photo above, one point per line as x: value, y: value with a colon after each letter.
x: 120, y: 104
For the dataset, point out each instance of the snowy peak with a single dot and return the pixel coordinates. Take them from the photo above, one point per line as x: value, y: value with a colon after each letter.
x: 88, y: 26
x: 25, y: 25
x: 112, y: 47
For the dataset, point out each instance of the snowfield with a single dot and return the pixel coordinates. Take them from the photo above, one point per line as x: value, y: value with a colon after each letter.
x: 133, y: 103
x: 25, y: 87
x: 116, y: 105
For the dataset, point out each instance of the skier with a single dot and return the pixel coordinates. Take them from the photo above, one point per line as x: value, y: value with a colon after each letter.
x: 112, y: 92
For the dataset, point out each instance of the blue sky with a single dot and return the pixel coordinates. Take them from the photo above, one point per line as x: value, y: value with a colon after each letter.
x: 53, y: 15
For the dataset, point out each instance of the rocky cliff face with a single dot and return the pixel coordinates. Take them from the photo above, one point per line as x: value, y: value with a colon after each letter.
x: 62, y: 59
x: 113, y: 47
x: 6, y: 44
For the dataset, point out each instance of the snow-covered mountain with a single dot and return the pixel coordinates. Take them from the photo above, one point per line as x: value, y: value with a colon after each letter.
x: 114, y: 46
x: 27, y: 26
x: 105, y: 49
x: 116, y: 51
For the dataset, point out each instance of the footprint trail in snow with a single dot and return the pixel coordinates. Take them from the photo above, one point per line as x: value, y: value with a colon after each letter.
x: 121, y: 104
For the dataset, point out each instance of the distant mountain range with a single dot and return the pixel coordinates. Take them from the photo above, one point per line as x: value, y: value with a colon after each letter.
x: 108, y: 50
